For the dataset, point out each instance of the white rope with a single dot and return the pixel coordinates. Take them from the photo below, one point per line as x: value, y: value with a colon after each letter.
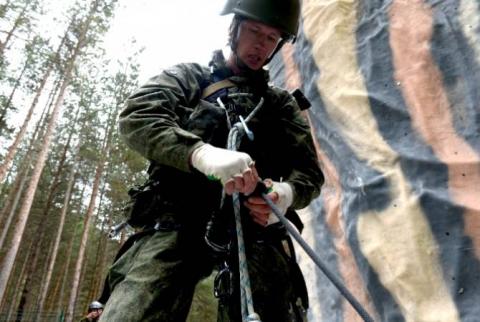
x: 234, y: 139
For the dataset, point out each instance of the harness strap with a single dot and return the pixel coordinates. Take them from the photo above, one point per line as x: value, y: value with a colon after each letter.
x: 215, y: 87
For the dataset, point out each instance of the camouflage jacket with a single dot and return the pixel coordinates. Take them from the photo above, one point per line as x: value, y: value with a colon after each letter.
x: 166, y: 119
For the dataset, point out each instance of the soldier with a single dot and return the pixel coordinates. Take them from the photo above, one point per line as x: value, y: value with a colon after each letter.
x: 180, y: 121
x: 95, y: 309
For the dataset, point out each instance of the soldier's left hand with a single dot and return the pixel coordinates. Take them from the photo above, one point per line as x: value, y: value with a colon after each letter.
x: 281, y: 194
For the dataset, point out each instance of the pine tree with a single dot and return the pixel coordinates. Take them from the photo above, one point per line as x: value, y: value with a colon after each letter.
x: 49, y: 62
x: 82, y: 35
x: 23, y: 19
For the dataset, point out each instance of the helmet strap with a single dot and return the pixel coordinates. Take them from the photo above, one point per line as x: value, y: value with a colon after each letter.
x: 276, y: 50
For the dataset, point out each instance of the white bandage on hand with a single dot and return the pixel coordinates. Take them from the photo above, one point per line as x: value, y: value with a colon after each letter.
x: 285, y: 199
x: 220, y: 164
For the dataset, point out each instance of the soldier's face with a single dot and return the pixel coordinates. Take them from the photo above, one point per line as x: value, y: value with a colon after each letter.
x: 95, y: 313
x: 256, y: 42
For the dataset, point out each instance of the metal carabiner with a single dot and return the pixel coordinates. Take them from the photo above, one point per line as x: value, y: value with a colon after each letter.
x: 223, y: 283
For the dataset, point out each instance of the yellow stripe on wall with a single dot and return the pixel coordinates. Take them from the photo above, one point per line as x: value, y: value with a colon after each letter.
x: 429, y: 107
x: 470, y: 21
x: 397, y: 242
x: 332, y: 196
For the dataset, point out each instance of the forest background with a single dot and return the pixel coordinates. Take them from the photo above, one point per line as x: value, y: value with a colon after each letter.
x: 64, y: 172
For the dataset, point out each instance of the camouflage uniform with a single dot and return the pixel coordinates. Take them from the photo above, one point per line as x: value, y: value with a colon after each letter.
x: 165, y: 120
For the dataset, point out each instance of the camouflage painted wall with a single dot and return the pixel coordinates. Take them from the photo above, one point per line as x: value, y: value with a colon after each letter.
x: 396, y: 114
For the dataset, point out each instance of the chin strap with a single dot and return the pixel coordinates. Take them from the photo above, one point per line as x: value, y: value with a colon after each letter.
x: 276, y: 50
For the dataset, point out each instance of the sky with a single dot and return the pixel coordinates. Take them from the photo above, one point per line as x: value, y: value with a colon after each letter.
x: 172, y: 31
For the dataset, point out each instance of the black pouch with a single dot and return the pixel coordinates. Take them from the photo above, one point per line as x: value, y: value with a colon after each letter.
x: 299, y: 301
x: 144, y: 205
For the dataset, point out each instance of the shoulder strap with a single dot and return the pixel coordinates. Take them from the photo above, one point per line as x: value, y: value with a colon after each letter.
x: 215, y: 87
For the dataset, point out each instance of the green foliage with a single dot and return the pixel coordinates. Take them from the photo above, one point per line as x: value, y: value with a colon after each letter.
x: 37, y: 55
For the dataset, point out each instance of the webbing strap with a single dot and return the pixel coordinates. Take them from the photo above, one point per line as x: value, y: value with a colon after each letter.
x: 215, y: 87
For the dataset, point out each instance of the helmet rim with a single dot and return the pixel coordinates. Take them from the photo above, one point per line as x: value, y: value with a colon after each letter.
x: 284, y: 17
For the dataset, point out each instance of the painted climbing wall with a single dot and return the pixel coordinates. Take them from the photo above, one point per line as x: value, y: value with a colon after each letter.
x: 395, y: 93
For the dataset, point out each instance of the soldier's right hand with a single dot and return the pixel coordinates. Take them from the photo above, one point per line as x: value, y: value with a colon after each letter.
x: 235, y: 170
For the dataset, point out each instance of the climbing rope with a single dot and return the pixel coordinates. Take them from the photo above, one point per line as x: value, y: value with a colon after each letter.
x: 237, y: 131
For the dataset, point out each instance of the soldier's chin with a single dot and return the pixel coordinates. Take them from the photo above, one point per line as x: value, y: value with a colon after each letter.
x: 255, y: 66
x: 254, y: 63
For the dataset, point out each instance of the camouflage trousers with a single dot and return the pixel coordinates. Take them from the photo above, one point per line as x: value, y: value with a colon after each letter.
x: 155, y: 280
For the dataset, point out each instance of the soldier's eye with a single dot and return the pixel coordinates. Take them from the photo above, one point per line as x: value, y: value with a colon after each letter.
x: 253, y: 30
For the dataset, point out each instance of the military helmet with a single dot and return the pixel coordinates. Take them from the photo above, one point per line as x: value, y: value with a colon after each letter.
x: 282, y: 14
x: 95, y: 305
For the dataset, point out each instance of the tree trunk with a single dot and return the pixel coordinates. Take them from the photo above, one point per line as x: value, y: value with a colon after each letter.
x: 33, y: 307
x: 23, y: 129
x: 62, y: 296
x: 103, y: 260
x: 31, y: 146
x: 17, y: 295
x: 4, y: 187
x: 68, y: 194
x: 9, y: 101
x: 8, y: 199
x: 64, y: 273
x: 23, y: 175
x: 55, y: 293
x: 98, y: 254
x: 27, y: 203
x: 88, y: 216
x: 41, y: 229
x: 83, y: 243
x: 16, y: 24
x: 32, y: 267
x: 18, y: 193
